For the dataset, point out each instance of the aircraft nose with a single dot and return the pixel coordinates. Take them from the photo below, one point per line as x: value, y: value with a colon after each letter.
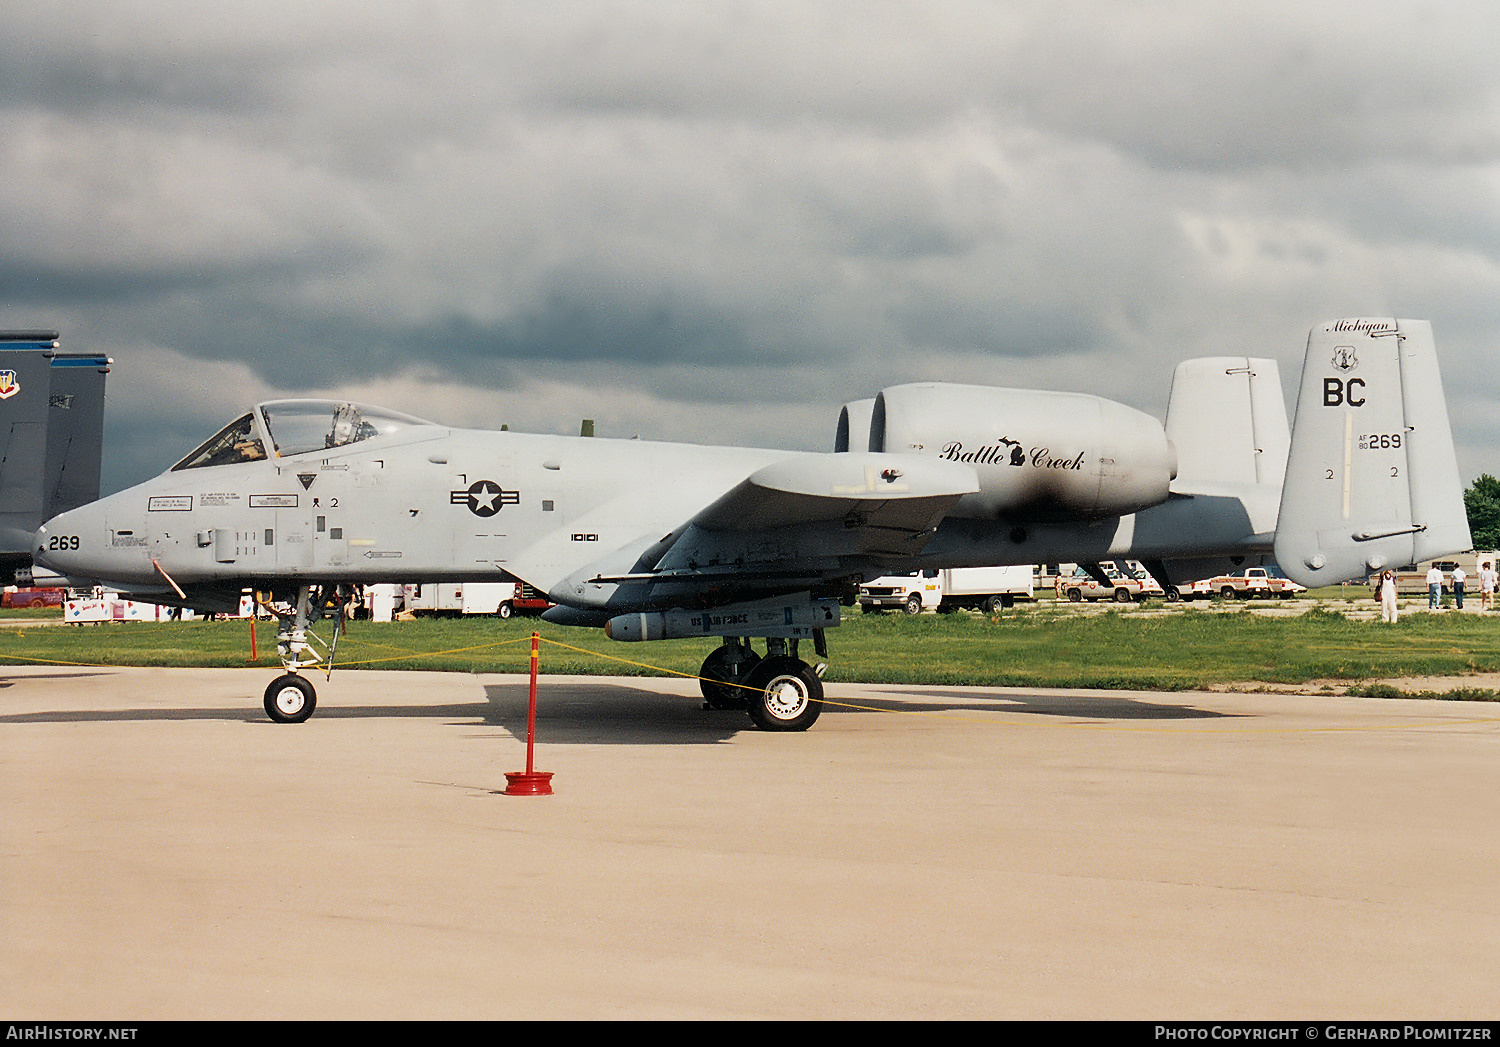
x: 45, y: 549
x: 72, y: 543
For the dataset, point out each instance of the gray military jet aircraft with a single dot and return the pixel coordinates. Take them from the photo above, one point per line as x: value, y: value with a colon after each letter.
x: 654, y: 540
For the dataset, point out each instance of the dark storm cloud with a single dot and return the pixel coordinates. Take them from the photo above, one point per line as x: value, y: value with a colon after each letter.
x: 100, y: 85
x: 294, y: 348
x: 714, y: 215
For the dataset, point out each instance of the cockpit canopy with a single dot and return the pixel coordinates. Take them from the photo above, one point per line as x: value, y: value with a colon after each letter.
x: 296, y: 427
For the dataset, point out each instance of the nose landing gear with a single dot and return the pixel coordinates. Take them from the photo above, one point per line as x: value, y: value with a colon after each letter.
x: 291, y: 697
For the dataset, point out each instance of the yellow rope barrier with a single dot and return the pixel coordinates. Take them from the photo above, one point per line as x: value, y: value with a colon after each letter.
x: 433, y: 654
x: 59, y: 661
x: 638, y: 665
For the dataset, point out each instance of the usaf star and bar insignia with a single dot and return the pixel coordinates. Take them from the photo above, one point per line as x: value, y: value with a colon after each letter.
x: 484, y: 497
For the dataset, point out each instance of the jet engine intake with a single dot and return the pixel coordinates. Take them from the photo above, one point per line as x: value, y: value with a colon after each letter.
x: 1036, y: 453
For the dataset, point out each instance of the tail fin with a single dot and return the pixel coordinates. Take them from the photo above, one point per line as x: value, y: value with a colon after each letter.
x: 1372, y: 480
x: 75, y: 430
x: 1226, y: 418
x: 51, y: 436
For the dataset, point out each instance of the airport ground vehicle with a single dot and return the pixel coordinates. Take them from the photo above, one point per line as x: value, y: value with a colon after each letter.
x: 22, y: 597
x: 980, y: 588
x: 1121, y: 587
x: 498, y: 598
x: 1248, y: 584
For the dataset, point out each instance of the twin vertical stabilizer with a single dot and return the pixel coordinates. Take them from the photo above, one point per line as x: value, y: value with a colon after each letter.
x: 1226, y: 418
x: 1371, y: 480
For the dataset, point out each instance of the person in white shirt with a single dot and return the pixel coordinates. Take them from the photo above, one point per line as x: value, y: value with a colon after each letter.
x: 1459, y: 578
x: 1434, y: 588
x: 1487, y: 580
x: 1388, y: 597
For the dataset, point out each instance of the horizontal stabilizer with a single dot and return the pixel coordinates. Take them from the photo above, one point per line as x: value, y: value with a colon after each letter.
x: 1372, y: 480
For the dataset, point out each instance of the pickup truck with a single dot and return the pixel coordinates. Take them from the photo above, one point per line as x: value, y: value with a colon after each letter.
x: 1122, y: 588
x: 1248, y: 584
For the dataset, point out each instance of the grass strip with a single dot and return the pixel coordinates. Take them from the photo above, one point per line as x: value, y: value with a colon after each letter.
x: 1035, y: 646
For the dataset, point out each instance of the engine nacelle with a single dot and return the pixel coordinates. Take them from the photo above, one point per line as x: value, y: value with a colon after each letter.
x: 1037, y: 453
x: 853, y: 433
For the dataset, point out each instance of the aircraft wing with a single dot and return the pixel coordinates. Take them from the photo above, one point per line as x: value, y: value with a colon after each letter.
x: 804, y: 518
x: 863, y: 492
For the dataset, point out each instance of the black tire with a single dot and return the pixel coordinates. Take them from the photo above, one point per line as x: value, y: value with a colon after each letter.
x: 1173, y: 595
x: 786, y: 694
x: 996, y: 604
x: 715, y: 678
x: 505, y: 610
x: 1075, y: 595
x: 913, y: 604
x: 1227, y: 592
x: 1122, y: 596
x: 290, y: 699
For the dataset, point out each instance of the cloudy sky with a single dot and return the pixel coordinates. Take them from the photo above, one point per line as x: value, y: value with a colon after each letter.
x: 718, y: 221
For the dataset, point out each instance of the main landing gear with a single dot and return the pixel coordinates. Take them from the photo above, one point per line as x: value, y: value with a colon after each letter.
x: 781, y: 692
x: 291, y: 697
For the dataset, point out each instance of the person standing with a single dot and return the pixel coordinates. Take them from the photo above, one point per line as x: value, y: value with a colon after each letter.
x: 1459, y: 578
x: 1434, y: 588
x: 1487, y: 579
x: 1388, y: 597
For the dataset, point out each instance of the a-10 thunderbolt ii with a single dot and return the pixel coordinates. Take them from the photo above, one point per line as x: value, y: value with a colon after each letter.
x: 655, y: 540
